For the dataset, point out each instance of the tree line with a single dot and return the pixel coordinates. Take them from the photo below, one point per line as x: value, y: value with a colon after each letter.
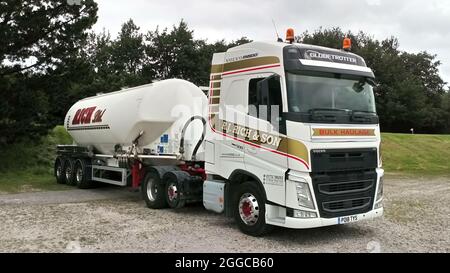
x: 50, y: 58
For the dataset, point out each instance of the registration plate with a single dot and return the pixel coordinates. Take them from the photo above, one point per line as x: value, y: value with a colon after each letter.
x: 347, y: 219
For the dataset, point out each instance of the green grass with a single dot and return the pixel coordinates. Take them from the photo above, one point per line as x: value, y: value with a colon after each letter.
x: 29, y: 180
x: 416, y: 154
x: 28, y: 166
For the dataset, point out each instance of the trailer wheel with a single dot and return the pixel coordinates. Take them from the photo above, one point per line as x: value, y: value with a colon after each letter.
x: 81, y: 174
x: 250, y: 210
x: 58, y: 170
x: 153, y: 191
x: 68, y: 171
x: 173, y: 193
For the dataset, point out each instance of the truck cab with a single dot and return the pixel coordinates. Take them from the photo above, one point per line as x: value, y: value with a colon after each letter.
x: 294, y: 136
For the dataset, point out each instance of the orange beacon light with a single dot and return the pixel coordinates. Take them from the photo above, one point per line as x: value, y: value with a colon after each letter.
x: 347, y: 44
x: 290, y: 35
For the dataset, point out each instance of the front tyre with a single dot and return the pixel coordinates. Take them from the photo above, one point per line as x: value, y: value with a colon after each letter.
x: 250, y: 210
x: 153, y: 191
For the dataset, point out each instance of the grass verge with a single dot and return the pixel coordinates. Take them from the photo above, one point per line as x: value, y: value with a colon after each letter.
x: 412, y: 155
x: 27, y: 166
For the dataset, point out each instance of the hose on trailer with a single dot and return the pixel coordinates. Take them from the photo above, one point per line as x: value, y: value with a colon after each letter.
x: 194, y: 153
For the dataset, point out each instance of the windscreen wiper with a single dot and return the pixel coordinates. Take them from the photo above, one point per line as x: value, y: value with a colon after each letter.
x: 325, y: 114
x: 314, y: 110
x: 362, y: 116
x: 364, y: 112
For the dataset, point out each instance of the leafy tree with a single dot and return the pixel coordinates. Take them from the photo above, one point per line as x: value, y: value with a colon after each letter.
x: 37, y: 39
x: 172, y: 54
x: 128, y: 54
x: 39, y: 33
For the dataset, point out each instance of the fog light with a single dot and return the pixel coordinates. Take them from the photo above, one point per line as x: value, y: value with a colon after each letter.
x: 304, y: 214
x: 380, y: 189
x: 304, y: 195
x: 379, y: 205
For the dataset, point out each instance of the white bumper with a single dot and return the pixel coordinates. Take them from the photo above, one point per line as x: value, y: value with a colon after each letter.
x: 297, y: 223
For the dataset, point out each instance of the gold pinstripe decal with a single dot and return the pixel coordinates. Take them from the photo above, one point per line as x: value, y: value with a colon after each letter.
x: 268, y: 60
x: 278, y: 143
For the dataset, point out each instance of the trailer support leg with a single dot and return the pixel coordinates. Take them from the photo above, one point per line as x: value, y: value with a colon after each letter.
x: 137, y: 173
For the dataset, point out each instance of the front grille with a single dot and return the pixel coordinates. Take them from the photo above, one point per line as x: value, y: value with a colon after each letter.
x: 344, y: 181
x: 345, y: 187
x: 339, y: 206
x: 343, y: 159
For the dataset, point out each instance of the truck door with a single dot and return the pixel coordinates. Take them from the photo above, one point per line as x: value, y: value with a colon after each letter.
x: 230, y: 149
x: 262, y: 156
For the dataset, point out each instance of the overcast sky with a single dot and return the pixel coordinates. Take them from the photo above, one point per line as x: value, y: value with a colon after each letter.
x: 418, y: 24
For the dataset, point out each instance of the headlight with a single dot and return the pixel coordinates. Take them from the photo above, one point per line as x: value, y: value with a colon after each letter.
x: 304, y: 195
x: 380, y: 189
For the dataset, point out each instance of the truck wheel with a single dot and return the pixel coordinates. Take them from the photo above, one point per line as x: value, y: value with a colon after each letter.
x: 153, y: 191
x: 173, y: 195
x: 250, y: 210
x: 81, y: 174
x: 58, y: 171
x: 68, y: 172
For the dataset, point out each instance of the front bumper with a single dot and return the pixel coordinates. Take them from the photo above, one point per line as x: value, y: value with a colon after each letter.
x: 297, y: 223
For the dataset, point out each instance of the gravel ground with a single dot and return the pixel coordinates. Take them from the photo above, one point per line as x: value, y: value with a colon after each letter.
x: 109, y: 219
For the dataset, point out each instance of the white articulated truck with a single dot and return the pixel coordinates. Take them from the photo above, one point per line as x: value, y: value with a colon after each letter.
x: 287, y: 136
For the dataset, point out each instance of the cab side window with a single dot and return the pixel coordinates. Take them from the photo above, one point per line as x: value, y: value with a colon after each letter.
x: 253, y: 104
x: 264, y: 100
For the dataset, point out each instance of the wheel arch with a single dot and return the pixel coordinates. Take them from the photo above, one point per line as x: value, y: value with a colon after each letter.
x: 241, y: 176
x: 161, y: 170
x: 236, y: 178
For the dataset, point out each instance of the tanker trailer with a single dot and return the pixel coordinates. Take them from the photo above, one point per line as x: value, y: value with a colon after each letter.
x: 119, y: 136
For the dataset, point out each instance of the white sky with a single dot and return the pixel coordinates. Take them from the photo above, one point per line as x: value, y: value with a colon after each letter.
x: 418, y: 24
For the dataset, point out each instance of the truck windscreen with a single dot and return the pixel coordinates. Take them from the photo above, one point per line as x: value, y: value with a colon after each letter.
x: 329, y: 93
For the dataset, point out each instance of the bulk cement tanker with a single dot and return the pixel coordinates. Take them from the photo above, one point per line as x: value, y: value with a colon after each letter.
x: 287, y: 136
x: 153, y: 115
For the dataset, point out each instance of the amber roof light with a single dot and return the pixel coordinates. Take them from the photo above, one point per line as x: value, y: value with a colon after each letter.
x: 347, y: 44
x: 290, y: 35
